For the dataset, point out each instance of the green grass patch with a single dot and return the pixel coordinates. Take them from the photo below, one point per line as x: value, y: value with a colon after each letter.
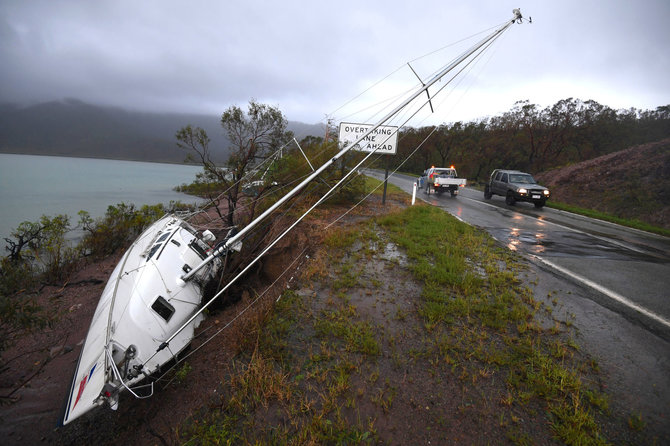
x: 268, y: 400
x: 599, y: 215
x: 489, y: 320
x: 342, y: 324
x: 377, y: 188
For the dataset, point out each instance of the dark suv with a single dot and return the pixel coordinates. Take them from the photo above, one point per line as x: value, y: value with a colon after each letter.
x: 516, y: 186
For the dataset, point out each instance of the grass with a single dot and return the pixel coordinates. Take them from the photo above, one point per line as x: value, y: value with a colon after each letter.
x: 326, y: 366
x: 393, y: 192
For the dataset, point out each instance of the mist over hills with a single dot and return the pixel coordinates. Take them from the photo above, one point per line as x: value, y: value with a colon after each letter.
x: 74, y: 128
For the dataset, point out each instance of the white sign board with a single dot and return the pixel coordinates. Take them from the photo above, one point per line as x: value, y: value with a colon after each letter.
x: 383, y: 139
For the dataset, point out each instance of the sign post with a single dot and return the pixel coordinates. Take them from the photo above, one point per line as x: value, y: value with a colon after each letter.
x: 386, y: 175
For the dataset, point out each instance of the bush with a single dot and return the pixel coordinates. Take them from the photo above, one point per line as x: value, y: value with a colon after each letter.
x: 120, y: 225
x: 56, y: 255
x: 38, y: 248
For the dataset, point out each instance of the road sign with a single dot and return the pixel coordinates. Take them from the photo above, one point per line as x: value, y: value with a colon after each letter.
x: 384, y: 139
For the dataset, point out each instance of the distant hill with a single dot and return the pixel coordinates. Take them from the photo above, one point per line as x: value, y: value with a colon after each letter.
x: 633, y: 183
x: 74, y: 128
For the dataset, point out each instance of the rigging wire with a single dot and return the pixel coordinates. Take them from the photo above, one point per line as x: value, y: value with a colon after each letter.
x: 468, y: 65
x: 338, y: 184
x: 403, y: 66
x: 380, y: 184
x: 243, y: 207
x: 238, y: 315
x: 273, y: 156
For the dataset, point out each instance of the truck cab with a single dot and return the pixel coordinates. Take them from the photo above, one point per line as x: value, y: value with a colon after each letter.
x: 440, y: 180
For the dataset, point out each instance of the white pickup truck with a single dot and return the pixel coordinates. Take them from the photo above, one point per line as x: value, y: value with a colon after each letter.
x: 441, y: 179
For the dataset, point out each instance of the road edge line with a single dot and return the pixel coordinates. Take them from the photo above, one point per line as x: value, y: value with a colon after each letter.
x: 607, y: 292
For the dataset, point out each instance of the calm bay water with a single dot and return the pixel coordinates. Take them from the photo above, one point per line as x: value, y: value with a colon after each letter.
x: 32, y: 186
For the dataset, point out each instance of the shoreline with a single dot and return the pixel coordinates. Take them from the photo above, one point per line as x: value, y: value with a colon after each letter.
x: 134, y: 160
x: 37, y: 185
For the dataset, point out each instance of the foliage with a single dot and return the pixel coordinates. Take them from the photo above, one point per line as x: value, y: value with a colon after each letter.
x: 254, y: 135
x: 293, y: 168
x: 38, y: 251
x: 56, y: 254
x: 18, y: 314
x: 120, y: 225
x: 531, y: 139
x: 637, y: 224
x: 41, y: 246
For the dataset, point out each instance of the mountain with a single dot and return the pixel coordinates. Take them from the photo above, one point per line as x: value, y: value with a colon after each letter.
x: 74, y: 128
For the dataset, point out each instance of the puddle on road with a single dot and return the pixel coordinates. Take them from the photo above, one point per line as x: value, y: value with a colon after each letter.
x: 565, y: 244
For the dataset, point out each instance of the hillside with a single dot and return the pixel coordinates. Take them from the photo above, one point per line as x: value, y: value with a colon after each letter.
x: 74, y: 128
x: 633, y: 183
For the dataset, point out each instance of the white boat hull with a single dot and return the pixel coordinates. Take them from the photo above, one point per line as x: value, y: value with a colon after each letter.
x: 142, y: 306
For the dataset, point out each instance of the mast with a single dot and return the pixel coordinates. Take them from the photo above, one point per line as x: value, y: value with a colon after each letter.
x: 237, y: 237
x: 234, y: 239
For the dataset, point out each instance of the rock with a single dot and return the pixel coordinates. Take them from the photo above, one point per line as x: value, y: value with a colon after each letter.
x: 55, y: 351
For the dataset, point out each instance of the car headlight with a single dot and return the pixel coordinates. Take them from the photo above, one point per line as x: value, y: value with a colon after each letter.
x: 545, y: 192
x: 523, y: 191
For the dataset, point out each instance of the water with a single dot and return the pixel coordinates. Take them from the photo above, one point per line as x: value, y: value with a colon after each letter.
x: 32, y: 186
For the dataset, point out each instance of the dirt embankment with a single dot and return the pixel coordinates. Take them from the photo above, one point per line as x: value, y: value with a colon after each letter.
x: 39, y: 366
x: 632, y: 183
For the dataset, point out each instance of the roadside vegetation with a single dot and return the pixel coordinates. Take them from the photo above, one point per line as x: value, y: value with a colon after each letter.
x: 531, y: 138
x: 599, y: 215
x: 453, y: 348
x: 456, y: 349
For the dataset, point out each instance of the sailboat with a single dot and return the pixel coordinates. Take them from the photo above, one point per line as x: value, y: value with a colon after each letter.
x: 153, y: 302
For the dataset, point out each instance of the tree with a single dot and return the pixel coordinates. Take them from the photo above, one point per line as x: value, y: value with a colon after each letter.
x: 253, y: 135
x: 42, y: 244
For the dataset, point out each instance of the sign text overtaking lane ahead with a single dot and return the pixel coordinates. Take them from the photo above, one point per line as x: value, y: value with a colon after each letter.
x: 384, y: 139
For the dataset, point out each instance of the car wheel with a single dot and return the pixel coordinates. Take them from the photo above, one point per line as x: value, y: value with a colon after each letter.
x: 487, y: 193
x: 509, y: 199
x: 453, y: 193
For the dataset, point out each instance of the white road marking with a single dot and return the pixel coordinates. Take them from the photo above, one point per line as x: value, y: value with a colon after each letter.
x: 607, y: 292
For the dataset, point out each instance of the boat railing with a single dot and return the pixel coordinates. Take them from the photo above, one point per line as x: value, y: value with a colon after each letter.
x: 118, y: 376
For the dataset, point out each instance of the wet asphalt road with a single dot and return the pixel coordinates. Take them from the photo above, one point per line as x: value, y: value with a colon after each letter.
x: 627, y: 270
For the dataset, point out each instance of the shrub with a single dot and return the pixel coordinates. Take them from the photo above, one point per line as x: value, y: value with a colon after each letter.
x: 120, y: 225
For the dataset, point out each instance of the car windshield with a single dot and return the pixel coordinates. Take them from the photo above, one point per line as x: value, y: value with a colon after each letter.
x: 445, y: 173
x: 521, y: 178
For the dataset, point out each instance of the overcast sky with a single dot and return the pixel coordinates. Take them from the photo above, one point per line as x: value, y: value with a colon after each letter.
x: 309, y: 58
